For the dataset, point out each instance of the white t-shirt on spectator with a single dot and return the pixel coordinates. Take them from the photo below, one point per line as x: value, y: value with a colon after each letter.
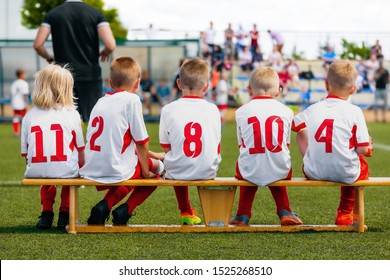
x: 19, y: 89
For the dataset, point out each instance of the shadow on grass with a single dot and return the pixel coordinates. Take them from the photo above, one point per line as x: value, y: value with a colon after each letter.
x: 29, y: 229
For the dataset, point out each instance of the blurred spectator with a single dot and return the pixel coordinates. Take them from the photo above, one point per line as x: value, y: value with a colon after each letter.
x: 150, y: 32
x: 293, y: 70
x: 328, y: 57
x: 381, y: 78
x: 254, y: 33
x: 149, y: 94
x: 245, y: 59
x: 371, y: 65
x: 277, y: 40
x: 204, y: 48
x: 164, y: 91
x: 176, y: 91
x: 241, y: 36
x: 210, y: 38
x: 219, y: 57
x: 19, y: 99
x: 284, y: 81
x: 229, y: 48
x: 275, y: 59
x: 377, y: 50
x: 361, y: 79
x: 257, y: 59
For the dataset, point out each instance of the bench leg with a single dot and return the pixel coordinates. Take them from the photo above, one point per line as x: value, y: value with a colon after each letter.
x: 72, y: 209
x: 359, y: 208
x: 217, y: 204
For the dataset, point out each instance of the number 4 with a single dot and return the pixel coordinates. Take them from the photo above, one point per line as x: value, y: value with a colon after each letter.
x: 327, y: 126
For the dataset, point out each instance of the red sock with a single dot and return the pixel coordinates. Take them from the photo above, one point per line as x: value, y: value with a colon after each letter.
x: 116, y: 194
x: 347, y: 199
x: 247, y: 196
x: 48, y: 194
x: 16, y: 127
x: 281, y: 198
x: 138, y: 196
x: 183, y: 199
x: 64, y: 199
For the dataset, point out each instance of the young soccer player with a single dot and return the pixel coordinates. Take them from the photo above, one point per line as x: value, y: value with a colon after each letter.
x: 263, y: 132
x: 190, y: 133
x: 52, y: 140
x: 333, y: 137
x: 19, y: 99
x: 117, y: 145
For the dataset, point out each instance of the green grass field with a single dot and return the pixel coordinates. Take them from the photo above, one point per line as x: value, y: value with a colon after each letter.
x: 20, y: 207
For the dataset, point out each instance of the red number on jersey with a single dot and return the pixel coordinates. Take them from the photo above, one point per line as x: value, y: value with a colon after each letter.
x: 327, y: 126
x: 39, y: 153
x: 192, y: 134
x: 99, y: 122
x: 258, y: 145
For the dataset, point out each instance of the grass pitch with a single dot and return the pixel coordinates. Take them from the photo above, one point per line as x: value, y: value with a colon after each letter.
x: 20, y: 207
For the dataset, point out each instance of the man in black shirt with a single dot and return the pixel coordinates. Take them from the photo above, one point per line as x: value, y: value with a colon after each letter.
x: 75, y: 28
x: 381, y: 78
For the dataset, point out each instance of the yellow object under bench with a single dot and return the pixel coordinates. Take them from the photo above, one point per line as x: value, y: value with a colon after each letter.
x: 216, y: 197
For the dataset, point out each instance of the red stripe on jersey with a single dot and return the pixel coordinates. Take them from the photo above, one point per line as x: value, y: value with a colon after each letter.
x: 146, y: 140
x: 297, y: 128
x: 24, y: 155
x: 73, y: 141
x: 111, y: 93
x: 219, y: 149
x: 127, y: 138
x: 192, y: 96
x: 262, y: 97
x: 166, y: 146
x: 334, y: 96
x: 353, y: 141
x: 363, y: 144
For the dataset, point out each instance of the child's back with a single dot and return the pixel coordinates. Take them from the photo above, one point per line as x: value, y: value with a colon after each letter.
x: 191, y: 127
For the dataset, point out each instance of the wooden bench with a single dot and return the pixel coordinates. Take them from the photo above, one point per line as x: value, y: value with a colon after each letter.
x: 216, y: 197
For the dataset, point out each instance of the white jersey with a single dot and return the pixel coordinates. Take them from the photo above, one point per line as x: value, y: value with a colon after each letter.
x: 263, y: 133
x: 222, y: 92
x: 116, y: 124
x: 336, y: 128
x: 191, y: 128
x: 19, y: 89
x: 51, y: 140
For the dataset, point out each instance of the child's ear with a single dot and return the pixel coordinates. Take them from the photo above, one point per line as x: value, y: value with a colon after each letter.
x: 136, y: 85
x: 250, y: 91
x: 326, y: 85
x: 205, y: 88
x: 353, y: 89
x: 179, y: 84
x: 279, y: 91
x: 110, y: 83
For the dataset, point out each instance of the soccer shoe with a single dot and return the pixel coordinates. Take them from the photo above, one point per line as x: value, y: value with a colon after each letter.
x: 288, y: 218
x: 120, y: 216
x: 240, y: 221
x: 344, y: 219
x: 99, y: 213
x: 190, y: 218
x: 45, y: 220
x: 63, y: 220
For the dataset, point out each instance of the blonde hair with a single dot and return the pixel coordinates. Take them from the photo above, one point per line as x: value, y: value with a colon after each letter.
x: 53, y: 88
x: 264, y: 80
x: 124, y: 71
x: 342, y: 74
x: 194, y: 74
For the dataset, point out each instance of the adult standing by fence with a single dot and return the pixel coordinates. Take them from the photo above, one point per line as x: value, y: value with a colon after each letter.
x: 277, y: 39
x: 76, y: 28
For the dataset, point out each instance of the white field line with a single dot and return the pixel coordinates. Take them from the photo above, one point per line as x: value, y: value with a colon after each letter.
x: 381, y: 146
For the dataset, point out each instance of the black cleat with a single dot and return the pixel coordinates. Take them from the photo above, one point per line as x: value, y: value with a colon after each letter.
x: 99, y: 213
x: 45, y: 220
x: 120, y: 215
x: 63, y: 220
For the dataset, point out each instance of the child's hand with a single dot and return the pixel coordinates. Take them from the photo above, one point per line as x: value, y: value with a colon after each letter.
x: 370, y: 149
x: 160, y: 156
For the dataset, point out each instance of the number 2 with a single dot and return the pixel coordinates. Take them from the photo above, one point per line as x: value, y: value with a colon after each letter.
x: 99, y: 122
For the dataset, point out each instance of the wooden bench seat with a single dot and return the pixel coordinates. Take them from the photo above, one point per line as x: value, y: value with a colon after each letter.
x: 216, y: 197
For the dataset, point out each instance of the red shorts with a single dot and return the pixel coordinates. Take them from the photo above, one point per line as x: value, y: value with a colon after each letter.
x: 136, y: 175
x: 222, y: 107
x: 20, y: 112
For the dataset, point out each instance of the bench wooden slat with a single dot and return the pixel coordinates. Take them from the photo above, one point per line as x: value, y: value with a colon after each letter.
x: 294, y: 182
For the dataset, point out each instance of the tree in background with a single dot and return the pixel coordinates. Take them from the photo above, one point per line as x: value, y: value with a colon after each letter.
x: 33, y: 12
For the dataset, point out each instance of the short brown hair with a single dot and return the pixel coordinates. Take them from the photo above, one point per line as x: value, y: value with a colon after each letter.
x: 342, y: 74
x: 194, y: 74
x: 19, y: 72
x: 124, y: 71
x: 263, y: 80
